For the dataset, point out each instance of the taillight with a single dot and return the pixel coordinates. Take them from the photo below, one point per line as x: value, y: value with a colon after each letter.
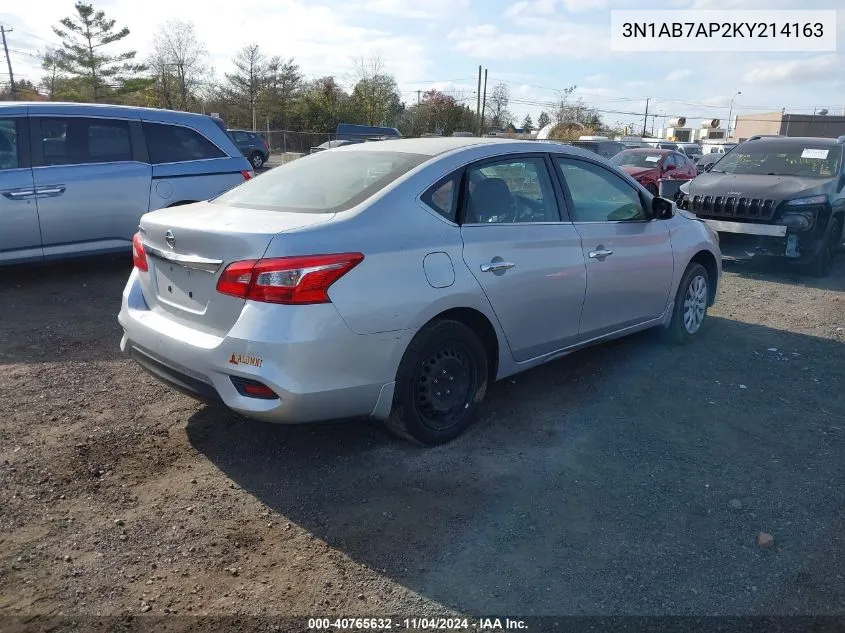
x: 288, y: 280
x: 247, y: 174
x: 139, y: 255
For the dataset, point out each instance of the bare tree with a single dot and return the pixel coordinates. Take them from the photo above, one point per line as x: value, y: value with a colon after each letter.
x: 499, y: 100
x: 245, y: 85
x: 178, y: 63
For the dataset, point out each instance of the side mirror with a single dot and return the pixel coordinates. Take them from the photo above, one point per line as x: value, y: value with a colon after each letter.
x: 661, y: 208
x: 671, y: 167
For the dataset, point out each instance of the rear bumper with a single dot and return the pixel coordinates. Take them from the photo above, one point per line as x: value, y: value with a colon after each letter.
x: 317, y: 366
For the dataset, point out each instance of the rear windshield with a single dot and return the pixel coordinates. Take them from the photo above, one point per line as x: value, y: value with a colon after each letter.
x: 324, y: 182
x: 692, y: 150
x: 637, y: 159
x: 808, y: 159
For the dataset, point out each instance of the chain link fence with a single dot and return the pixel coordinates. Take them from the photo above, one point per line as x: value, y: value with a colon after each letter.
x: 287, y: 145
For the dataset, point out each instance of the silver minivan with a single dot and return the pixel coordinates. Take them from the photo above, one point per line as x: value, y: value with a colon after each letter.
x: 75, y: 179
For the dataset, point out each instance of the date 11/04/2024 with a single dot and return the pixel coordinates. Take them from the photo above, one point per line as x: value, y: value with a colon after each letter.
x: 416, y: 624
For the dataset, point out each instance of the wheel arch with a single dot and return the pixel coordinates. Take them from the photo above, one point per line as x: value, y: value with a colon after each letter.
x: 708, y: 260
x: 478, y: 322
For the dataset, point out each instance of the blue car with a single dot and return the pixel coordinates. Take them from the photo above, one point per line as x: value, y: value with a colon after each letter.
x: 75, y: 179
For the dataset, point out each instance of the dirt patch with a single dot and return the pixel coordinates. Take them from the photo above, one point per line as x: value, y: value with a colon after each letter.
x: 604, y: 483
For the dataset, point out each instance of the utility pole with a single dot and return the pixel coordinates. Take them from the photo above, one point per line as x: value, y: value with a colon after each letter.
x: 3, y: 32
x: 483, y: 105
x: 478, y: 99
x: 418, y: 96
x: 645, y: 120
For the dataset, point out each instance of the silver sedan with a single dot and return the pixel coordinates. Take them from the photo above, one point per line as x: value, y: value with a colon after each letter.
x: 397, y: 280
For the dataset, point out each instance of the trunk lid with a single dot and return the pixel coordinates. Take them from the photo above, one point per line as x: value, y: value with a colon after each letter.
x: 189, y: 246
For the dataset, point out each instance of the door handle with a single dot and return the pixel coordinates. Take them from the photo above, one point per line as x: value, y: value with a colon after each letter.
x: 50, y: 191
x: 600, y: 253
x: 496, y: 266
x: 19, y: 195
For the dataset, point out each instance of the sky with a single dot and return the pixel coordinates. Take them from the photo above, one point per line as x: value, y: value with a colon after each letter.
x: 536, y: 47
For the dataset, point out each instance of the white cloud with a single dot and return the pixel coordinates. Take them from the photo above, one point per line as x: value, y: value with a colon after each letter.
x: 677, y: 75
x: 322, y: 39
x: 429, y: 10
x: 539, y: 38
x: 541, y: 7
x: 823, y: 67
x: 582, y: 6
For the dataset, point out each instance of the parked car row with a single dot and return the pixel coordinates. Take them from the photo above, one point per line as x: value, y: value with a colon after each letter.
x: 75, y: 179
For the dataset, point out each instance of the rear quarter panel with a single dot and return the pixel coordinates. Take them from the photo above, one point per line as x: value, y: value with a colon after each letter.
x: 193, y: 181
x: 389, y: 291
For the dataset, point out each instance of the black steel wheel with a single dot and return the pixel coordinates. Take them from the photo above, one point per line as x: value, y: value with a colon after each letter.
x: 441, y: 382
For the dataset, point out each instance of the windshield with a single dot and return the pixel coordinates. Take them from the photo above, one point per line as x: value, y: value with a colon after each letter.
x: 637, y: 159
x: 324, y: 182
x: 692, y: 150
x: 811, y: 160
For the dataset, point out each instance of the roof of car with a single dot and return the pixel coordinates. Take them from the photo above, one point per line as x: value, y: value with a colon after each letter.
x: 105, y: 109
x: 434, y: 146
x: 798, y: 140
x: 428, y: 146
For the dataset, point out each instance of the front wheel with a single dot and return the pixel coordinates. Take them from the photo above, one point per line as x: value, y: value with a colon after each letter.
x: 822, y: 264
x: 690, y: 307
x: 441, y: 382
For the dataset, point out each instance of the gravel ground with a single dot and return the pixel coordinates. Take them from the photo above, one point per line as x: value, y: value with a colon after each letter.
x: 631, y: 478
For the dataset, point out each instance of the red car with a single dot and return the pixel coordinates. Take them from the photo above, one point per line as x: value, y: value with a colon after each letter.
x: 649, y: 166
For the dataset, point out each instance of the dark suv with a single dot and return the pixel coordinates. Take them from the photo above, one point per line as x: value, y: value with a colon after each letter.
x: 775, y: 196
x: 252, y: 145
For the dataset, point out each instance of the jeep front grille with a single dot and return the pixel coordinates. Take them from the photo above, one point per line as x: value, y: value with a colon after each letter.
x: 732, y: 207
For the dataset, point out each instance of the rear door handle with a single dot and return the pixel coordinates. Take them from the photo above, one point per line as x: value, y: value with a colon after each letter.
x: 496, y: 266
x: 19, y: 194
x: 600, y: 253
x: 51, y: 191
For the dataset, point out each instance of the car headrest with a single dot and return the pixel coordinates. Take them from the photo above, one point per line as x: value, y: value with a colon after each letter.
x: 490, y: 197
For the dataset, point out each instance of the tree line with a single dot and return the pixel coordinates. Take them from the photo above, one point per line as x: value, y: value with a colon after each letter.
x: 261, y: 91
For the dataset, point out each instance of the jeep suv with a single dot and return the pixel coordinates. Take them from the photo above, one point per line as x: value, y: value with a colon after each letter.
x: 775, y: 196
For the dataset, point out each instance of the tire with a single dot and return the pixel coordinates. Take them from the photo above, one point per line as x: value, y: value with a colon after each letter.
x: 652, y: 189
x: 425, y: 412
x: 822, y: 263
x: 257, y: 160
x: 682, y: 329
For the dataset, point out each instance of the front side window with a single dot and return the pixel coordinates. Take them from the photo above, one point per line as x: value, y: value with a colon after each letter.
x: 324, y: 182
x: 9, y: 153
x: 78, y: 140
x: 599, y: 195
x: 178, y: 144
x: 508, y: 191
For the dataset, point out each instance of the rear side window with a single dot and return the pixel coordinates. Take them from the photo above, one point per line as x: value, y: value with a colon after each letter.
x: 9, y: 153
x: 443, y: 197
x: 325, y: 182
x: 79, y: 140
x: 178, y: 144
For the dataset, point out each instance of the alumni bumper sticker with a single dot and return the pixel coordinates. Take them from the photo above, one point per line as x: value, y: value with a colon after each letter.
x: 243, y: 359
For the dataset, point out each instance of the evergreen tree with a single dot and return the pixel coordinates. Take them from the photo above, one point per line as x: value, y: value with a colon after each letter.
x: 84, y: 37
